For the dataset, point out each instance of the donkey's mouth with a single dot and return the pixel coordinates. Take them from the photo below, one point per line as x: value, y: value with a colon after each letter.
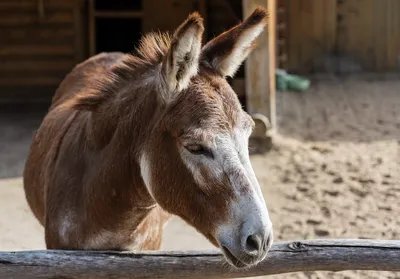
x: 231, y: 259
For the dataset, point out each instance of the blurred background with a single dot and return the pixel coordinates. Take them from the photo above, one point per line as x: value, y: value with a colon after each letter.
x: 328, y: 79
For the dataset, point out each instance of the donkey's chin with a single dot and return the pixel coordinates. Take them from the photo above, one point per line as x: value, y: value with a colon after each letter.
x: 234, y: 261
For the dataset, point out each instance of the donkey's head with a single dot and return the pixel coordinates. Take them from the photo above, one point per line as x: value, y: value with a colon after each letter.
x: 196, y: 162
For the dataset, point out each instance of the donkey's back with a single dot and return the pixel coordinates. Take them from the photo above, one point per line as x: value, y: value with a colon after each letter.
x: 83, y: 75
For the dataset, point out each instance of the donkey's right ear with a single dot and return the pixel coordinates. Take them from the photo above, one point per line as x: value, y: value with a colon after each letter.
x: 182, y: 60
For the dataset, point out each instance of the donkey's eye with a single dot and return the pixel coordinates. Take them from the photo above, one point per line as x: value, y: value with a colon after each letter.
x: 198, y: 149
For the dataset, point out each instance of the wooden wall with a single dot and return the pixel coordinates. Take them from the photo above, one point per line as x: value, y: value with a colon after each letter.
x: 310, y: 32
x: 342, y: 36
x: 369, y: 30
x: 40, y: 41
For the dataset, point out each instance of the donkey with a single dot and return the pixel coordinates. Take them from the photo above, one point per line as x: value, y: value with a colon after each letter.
x: 130, y: 139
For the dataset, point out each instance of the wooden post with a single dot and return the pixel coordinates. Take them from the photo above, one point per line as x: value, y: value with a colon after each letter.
x: 260, y: 78
x: 261, y: 64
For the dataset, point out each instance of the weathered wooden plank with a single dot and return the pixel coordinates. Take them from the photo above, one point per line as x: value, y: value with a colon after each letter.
x: 31, y: 5
x: 379, y: 19
x: 284, y: 257
x: 23, y: 80
x: 368, y: 36
x: 260, y: 65
x: 27, y: 65
x: 358, y: 32
x: 40, y: 44
x: 311, y: 33
x: 24, y: 19
x: 51, y: 34
x: 330, y: 27
x: 49, y: 50
x: 396, y: 32
x: 392, y: 24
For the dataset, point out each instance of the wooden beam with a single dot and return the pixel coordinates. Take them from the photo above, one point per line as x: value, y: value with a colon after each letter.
x: 284, y: 257
x: 260, y: 65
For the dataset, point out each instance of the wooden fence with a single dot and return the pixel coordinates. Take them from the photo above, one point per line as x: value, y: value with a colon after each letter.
x: 284, y: 257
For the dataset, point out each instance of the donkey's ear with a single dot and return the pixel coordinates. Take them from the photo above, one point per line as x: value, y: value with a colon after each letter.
x: 227, y: 52
x: 182, y: 60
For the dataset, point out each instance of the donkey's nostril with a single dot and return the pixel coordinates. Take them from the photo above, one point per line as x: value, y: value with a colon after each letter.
x: 267, y: 243
x: 253, y: 243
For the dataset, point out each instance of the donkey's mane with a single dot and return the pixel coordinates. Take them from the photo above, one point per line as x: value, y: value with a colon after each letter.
x: 99, y: 88
x: 152, y: 47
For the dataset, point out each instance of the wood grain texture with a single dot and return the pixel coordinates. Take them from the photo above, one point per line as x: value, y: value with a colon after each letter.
x: 364, y: 33
x: 311, y: 33
x: 284, y: 257
x: 31, y: 5
x: 41, y: 42
x: 27, y: 19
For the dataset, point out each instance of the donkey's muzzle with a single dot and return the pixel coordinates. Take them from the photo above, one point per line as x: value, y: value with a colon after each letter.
x: 250, y: 249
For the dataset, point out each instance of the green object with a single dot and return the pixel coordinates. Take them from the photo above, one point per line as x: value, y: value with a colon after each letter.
x: 285, y: 81
x: 281, y: 84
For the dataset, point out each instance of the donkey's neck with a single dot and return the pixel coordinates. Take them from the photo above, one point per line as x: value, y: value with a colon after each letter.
x: 117, y: 133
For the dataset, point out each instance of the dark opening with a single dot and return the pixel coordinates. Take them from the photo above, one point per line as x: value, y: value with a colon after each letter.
x: 117, y: 34
x: 118, y: 5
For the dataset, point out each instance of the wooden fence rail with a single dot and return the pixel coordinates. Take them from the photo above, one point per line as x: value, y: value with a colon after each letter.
x: 284, y: 257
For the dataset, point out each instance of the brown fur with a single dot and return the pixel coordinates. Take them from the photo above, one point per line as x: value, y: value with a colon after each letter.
x: 82, y: 177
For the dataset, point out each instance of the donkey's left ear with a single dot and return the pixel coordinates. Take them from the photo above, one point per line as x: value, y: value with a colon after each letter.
x: 227, y: 52
x: 182, y: 60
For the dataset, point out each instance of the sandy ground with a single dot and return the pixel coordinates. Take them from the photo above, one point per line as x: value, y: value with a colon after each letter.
x: 334, y: 171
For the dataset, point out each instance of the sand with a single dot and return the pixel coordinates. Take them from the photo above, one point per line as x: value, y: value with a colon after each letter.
x: 334, y: 171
